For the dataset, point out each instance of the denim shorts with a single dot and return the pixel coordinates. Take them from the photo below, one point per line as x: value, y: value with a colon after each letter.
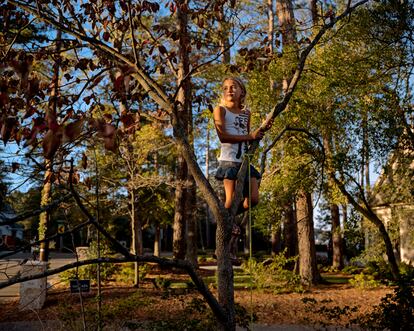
x: 229, y: 170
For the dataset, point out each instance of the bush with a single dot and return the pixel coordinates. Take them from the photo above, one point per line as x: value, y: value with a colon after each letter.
x: 273, y: 274
x: 107, y: 270
x: 364, y: 281
x: 126, y: 273
x: 395, y: 312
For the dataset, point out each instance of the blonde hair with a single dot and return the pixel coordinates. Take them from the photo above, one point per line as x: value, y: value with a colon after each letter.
x: 242, y: 87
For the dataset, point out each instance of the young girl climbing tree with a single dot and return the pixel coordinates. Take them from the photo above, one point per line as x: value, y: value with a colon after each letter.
x: 232, y: 122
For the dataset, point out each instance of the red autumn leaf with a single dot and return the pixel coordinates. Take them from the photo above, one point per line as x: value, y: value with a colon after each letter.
x: 51, y: 143
x: 29, y: 111
x: 97, y: 124
x: 108, y: 131
x: 15, y: 166
x: 162, y: 49
x: 72, y: 130
x: 119, y: 82
x: 52, y: 123
x: 96, y: 81
x: 106, y: 35
x: 4, y: 99
x: 18, y: 137
x: 84, y: 161
x: 110, y: 143
x: 127, y: 120
x: 108, y: 117
x: 7, y: 128
x: 87, y: 181
x: 75, y: 178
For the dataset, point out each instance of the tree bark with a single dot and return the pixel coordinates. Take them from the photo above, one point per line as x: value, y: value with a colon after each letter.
x: 307, y: 255
x: 46, y: 194
x: 337, y: 253
x: 136, y: 231
x: 290, y: 231
x: 276, y: 240
x: 336, y: 235
x: 157, y: 241
x: 44, y: 217
x: 185, y: 191
x: 179, y: 226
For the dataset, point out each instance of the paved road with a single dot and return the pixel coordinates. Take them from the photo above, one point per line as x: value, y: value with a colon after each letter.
x: 10, y: 266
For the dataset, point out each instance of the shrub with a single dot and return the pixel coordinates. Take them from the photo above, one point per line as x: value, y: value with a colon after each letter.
x: 273, y: 274
x: 364, y: 281
x: 107, y: 270
x: 395, y: 312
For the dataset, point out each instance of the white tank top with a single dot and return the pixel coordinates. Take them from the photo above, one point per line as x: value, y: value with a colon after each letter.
x: 235, y: 124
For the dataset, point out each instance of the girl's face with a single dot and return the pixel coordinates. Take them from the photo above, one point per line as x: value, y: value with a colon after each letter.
x: 232, y: 92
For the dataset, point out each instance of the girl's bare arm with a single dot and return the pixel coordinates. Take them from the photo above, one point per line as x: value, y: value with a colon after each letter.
x: 218, y: 114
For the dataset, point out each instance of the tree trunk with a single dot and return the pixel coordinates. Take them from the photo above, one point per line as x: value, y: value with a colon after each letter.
x: 192, y: 226
x: 179, y: 226
x: 136, y: 231
x: 46, y: 194
x: 336, y: 236
x: 290, y: 238
x: 225, y: 288
x: 157, y: 241
x: 207, y: 174
x: 337, y: 254
x: 307, y: 257
x: 184, y: 117
x: 44, y: 217
x: 224, y: 36
x: 276, y: 240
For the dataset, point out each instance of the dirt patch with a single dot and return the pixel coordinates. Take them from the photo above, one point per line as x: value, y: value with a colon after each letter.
x: 334, y: 304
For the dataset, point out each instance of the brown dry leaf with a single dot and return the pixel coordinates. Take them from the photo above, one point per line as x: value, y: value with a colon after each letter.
x: 110, y: 143
x: 72, y: 130
x: 84, y: 161
x: 51, y: 143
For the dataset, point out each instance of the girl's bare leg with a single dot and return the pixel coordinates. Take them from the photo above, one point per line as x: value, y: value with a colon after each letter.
x: 228, y: 190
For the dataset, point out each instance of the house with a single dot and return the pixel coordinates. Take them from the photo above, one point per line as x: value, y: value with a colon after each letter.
x: 9, y: 233
x: 392, y: 199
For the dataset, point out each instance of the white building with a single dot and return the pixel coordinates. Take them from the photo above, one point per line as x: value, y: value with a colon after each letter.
x: 9, y: 232
x: 393, y: 202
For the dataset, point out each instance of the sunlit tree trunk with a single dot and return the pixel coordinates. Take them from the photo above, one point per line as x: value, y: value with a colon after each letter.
x: 157, y: 240
x: 136, y: 230
x: 44, y: 217
x: 336, y: 233
x: 307, y: 254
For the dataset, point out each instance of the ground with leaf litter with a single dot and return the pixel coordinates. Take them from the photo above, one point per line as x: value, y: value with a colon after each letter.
x: 160, y: 304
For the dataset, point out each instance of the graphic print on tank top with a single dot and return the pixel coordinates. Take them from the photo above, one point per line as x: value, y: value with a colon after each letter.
x: 240, y: 122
